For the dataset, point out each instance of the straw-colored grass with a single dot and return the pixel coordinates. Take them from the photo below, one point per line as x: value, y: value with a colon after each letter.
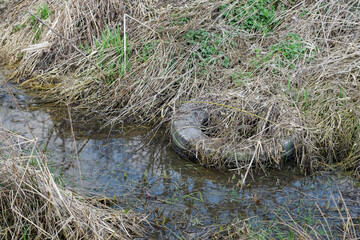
x: 301, y: 56
x: 33, y: 206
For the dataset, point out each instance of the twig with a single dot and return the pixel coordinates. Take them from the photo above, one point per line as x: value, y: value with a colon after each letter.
x: 75, y: 147
x: 251, y: 162
x: 267, y: 118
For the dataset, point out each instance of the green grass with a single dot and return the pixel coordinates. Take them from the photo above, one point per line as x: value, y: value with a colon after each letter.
x: 253, y: 15
x: 301, y: 223
x: 18, y: 27
x: 43, y: 12
x: 26, y: 233
x: 58, y: 175
x: 110, y: 54
x: 148, y: 50
x: 207, y: 47
x: 196, y: 196
x: 241, y: 78
x: 284, y: 54
x: 179, y: 21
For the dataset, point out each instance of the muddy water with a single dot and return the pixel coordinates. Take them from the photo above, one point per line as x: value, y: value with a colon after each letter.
x: 147, y: 176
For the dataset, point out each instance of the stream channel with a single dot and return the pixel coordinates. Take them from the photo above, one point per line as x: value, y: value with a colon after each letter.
x: 149, y: 177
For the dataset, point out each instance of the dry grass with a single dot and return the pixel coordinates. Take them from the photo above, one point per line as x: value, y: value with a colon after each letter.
x: 33, y: 206
x: 305, y: 68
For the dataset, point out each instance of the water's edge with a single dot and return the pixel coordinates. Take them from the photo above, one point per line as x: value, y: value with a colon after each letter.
x: 150, y: 177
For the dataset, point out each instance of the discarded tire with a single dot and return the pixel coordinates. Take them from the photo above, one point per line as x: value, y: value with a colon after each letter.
x: 189, y: 141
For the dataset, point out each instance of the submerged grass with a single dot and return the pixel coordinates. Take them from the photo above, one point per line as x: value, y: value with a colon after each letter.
x: 295, y: 63
x: 309, y: 224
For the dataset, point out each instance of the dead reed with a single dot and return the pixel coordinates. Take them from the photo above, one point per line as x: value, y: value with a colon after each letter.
x: 33, y: 206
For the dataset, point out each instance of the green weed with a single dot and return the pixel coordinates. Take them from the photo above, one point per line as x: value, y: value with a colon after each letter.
x: 18, y: 27
x: 85, y: 47
x: 110, y: 53
x: 253, y: 15
x: 43, y: 12
x: 180, y: 21
x: 147, y: 50
x: 284, y: 54
x: 197, y: 196
x: 241, y: 78
x: 25, y: 235
x: 303, y: 223
x: 32, y: 161
x: 303, y: 13
x: 292, y: 48
x: 208, y: 47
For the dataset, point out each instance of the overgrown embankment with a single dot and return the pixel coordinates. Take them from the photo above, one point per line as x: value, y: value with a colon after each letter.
x: 294, y: 64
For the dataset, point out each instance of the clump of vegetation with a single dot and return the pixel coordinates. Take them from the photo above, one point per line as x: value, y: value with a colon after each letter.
x: 241, y: 78
x: 43, y: 12
x: 18, y: 27
x: 180, y: 20
x: 285, y: 54
x: 35, y: 207
x: 253, y: 15
x: 109, y: 54
x: 207, y: 47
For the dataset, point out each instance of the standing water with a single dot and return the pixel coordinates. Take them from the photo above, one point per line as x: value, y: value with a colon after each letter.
x: 183, y: 197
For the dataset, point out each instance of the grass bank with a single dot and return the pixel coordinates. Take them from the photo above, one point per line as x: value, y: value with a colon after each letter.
x: 294, y: 64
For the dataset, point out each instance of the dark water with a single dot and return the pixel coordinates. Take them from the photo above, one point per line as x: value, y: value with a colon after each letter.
x: 147, y: 176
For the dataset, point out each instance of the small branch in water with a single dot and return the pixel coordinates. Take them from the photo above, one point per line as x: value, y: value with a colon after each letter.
x: 141, y: 144
x: 251, y: 162
x: 76, y: 149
